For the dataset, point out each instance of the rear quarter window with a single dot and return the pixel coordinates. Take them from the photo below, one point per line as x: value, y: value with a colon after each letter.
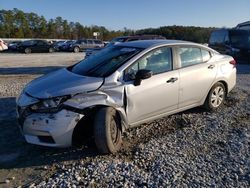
x: 206, y: 55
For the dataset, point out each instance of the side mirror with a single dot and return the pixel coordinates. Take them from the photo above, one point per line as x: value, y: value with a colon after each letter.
x: 142, y: 75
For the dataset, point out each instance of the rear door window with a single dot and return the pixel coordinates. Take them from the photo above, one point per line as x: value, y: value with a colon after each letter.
x: 83, y: 42
x: 90, y: 41
x: 41, y: 43
x: 190, y: 56
x: 97, y: 42
x: 29, y: 42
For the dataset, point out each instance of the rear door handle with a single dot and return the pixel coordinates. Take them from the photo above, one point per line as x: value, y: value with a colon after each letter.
x: 172, y: 80
x: 210, y: 67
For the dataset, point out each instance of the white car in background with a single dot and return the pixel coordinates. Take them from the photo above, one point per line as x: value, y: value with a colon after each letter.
x: 120, y: 87
x: 3, y: 45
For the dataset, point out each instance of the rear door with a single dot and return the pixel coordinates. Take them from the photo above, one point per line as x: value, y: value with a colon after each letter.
x: 42, y: 46
x: 34, y: 46
x: 197, y: 73
x: 156, y: 95
x: 83, y: 44
x: 90, y: 43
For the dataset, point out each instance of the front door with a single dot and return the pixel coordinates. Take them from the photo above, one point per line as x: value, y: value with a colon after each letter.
x: 156, y: 95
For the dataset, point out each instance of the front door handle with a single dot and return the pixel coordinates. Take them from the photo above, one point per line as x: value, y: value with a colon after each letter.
x: 210, y: 67
x: 172, y: 80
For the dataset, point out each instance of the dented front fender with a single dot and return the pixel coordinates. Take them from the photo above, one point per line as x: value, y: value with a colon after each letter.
x: 112, y: 97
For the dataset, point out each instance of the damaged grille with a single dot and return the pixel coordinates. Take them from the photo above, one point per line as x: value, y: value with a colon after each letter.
x: 46, y: 139
x: 23, y: 113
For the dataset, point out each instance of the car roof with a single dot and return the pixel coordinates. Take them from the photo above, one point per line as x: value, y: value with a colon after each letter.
x: 151, y: 43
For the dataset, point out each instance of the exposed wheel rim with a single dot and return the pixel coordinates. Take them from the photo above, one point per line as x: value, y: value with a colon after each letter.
x: 217, y: 96
x: 114, y: 131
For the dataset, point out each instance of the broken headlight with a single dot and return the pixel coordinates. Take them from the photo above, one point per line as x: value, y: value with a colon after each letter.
x: 48, y: 105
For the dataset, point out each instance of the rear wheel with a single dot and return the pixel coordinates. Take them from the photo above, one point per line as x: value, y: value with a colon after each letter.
x: 51, y: 50
x: 76, y: 49
x: 216, y: 97
x: 107, y: 130
x: 27, y: 50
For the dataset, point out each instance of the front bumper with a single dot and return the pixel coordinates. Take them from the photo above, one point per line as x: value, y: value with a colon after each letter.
x: 50, y: 129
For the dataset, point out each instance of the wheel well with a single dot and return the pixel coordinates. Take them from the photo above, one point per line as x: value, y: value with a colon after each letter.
x: 83, y: 131
x: 225, y: 85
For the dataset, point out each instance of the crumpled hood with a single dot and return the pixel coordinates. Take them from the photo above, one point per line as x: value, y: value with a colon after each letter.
x: 61, y: 83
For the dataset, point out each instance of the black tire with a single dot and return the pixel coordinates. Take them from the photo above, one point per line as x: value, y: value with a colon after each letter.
x: 76, y: 49
x: 51, y: 50
x: 215, y: 97
x: 107, y: 130
x: 27, y: 50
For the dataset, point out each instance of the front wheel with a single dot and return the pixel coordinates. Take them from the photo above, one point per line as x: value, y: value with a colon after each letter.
x: 216, y: 97
x: 27, y: 50
x: 76, y: 49
x: 107, y: 130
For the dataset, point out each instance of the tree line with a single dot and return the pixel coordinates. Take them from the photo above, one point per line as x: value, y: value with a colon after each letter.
x: 18, y: 24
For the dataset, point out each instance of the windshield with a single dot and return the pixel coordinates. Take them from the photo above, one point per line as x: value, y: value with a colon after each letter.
x: 240, y: 39
x: 105, y: 62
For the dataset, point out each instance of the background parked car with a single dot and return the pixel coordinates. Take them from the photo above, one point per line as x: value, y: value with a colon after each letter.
x: 66, y: 45
x: 125, y: 39
x: 83, y: 44
x: 3, y: 45
x: 121, y: 87
x: 13, y: 46
x: 57, y: 44
x: 135, y: 37
x: 234, y: 42
x: 30, y: 46
x: 244, y: 25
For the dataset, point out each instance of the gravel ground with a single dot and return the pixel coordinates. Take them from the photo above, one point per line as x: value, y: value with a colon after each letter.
x: 190, y: 149
x: 195, y: 148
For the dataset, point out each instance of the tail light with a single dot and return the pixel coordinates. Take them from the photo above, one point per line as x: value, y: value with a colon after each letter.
x: 233, y: 62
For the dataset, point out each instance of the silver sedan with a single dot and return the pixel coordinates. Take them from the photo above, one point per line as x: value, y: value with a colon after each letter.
x: 123, y: 86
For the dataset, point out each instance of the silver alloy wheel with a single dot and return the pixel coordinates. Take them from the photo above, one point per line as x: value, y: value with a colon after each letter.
x: 217, y: 96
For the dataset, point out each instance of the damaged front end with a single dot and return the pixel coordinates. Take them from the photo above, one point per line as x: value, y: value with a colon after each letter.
x: 51, y: 122
x: 51, y: 106
x: 45, y: 121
